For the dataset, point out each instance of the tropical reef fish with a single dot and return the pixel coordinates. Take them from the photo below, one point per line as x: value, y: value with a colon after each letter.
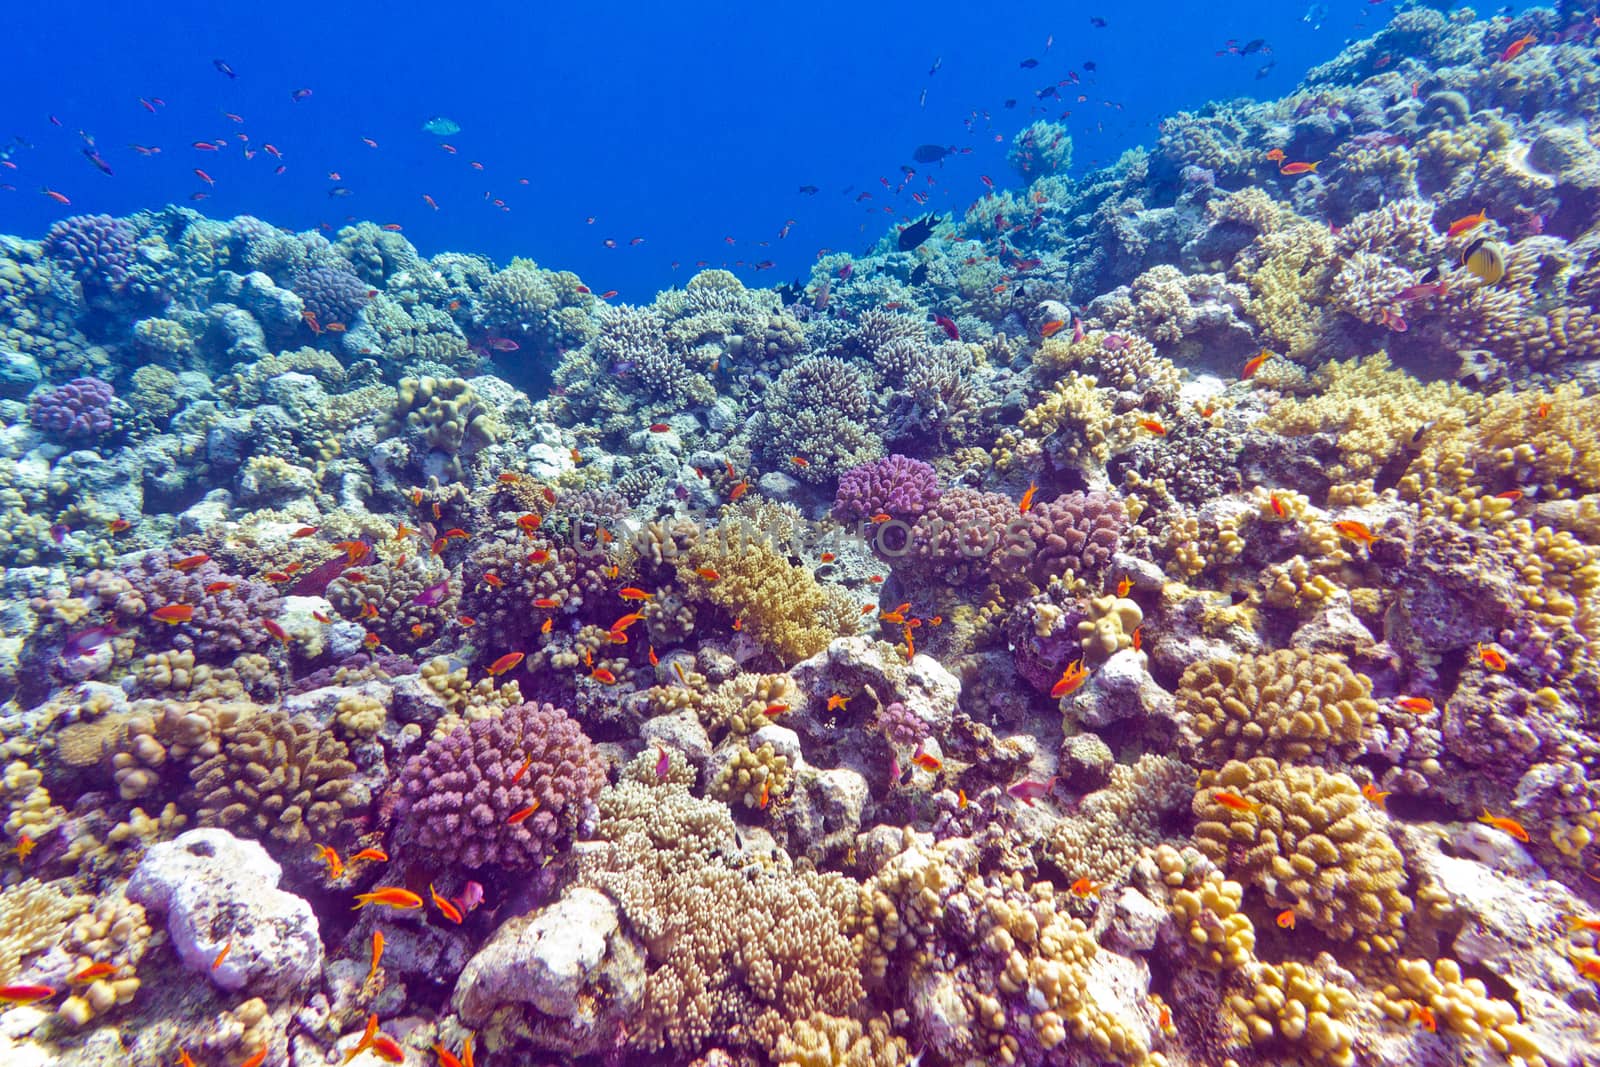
x: 931, y: 153
x: 440, y: 126
x: 917, y: 232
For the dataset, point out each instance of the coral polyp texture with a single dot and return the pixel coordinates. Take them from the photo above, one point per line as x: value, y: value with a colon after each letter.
x: 1143, y: 615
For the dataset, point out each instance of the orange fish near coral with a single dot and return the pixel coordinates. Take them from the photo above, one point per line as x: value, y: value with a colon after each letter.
x: 189, y: 563
x: 1233, y: 801
x: 1070, y: 679
x: 366, y: 1039
x: 1500, y: 822
x: 173, y: 614
x: 521, y: 815
x: 1375, y: 795
x: 390, y: 897
x: 377, y: 954
x: 1027, y: 498
x: 1467, y: 223
x: 1424, y: 1017
x: 219, y: 587
x: 92, y: 972
x: 1254, y: 364
x: 1351, y: 530
x: 634, y: 593
x: 371, y: 855
x: 1517, y: 47
x: 1416, y: 705
x: 1295, y: 169
x: 1286, y: 918
x: 927, y: 761
x: 1276, y: 155
x: 1153, y: 426
x: 505, y: 663
x: 222, y: 955
x: 1051, y: 328
x: 326, y: 854
x: 1491, y: 658
x: 25, y: 994
x: 707, y: 573
x: 1084, y: 888
x: 603, y: 676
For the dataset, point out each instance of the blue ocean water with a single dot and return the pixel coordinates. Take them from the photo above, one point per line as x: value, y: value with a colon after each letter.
x: 692, y: 127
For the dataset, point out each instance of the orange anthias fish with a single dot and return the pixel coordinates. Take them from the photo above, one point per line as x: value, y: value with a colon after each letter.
x: 371, y: 855
x: 1492, y: 658
x: 93, y: 971
x: 25, y: 994
x: 391, y: 897
x: 1027, y: 498
x: 173, y: 614
x: 446, y: 907
x: 257, y: 1060
x: 1424, y: 1016
x: 446, y: 1057
x: 189, y: 563
x: 505, y: 663
x: 377, y: 954
x: 1286, y: 918
x: 707, y: 573
x: 1125, y: 586
x: 547, y: 602
x: 634, y: 593
x: 1517, y: 47
x: 1233, y: 801
x: 366, y: 1039
x: 1575, y: 923
x: 603, y: 676
x: 1154, y: 427
x: 219, y: 587
x: 927, y: 761
x: 1276, y: 155
x: 1051, y: 328
x: 1375, y: 795
x: 1500, y: 822
x: 1255, y: 364
x: 1467, y: 223
x: 1070, y: 679
x: 1293, y: 169
x: 1084, y: 888
x: 522, y: 815
x: 835, y: 701
x: 326, y: 854
x: 1351, y: 530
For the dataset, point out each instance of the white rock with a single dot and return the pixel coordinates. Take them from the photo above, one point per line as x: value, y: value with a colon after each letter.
x: 1135, y: 921
x: 570, y: 962
x: 215, y: 891
x: 1121, y: 689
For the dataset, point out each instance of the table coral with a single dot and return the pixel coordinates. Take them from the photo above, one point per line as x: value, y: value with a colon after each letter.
x: 455, y: 799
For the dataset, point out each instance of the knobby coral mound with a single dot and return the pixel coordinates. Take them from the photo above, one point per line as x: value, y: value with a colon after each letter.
x: 1289, y: 704
x: 506, y: 790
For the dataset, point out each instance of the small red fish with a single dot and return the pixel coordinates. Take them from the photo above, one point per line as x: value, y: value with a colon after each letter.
x: 1254, y: 364
x: 603, y: 676
x: 522, y: 814
x: 707, y: 573
x: 277, y: 631
x: 227, y: 948
x: 390, y: 896
x: 1085, y: 887
x: 1154, y: 427
x: 546, y: 602
x: 1071, y: 678
x: 1517, y: 47
x: 173, y: 614
x: 505, y: 663
x: 92, y: 972
x: 1491, y: 658
x: 1293, y: 169
x: 1419, y: 705
x: 659, y: 427
x: 1351, y: 530
x: 1029, y: 790
x: 25, y: 994
x: 1026, y: 503
x: 1051, y: 328
x: 189, y: 563
x: 1286, y: 918
x: 1234, y: 802
x: 446, y: 907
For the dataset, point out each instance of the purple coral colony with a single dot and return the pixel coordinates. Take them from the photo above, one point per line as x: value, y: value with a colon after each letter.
x: 1145, y: 621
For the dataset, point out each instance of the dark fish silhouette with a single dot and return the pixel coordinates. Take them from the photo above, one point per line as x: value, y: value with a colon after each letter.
x: 1029, y: 63
x: 1088, y: 65
x: 930, y: 153
x: 1048, y: 90
x: 1097, y: 22
x: 917, y: 232
x: 339, y: 190
x: 223, y: 68
x: 1253, y: 46
x: 919, y: 275
x: 1011, y: 103
x: 809, y: 190
x: 791, y: 291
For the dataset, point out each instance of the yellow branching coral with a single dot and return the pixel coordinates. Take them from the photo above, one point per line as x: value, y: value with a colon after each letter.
x: 33, y: 915
x: 821, y: 1040
x: 1288, y: 271
x: 1289, y: 704
x: 1310, y: 842
x: 777, y: 603
x: 1209, y: 918
x: 755, y: 777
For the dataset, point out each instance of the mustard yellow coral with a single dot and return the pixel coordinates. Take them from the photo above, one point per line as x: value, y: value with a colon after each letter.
x: 1289, y: 704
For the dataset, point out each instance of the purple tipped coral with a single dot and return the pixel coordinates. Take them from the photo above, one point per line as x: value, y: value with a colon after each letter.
x: 458, y: 795
x: 96, y: 249
x: 80, y: 408
x: 333, y: 294
x: 902, y: 487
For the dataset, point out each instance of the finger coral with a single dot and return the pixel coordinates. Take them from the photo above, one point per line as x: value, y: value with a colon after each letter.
x: 467, y: 796
x: 1289, y: 705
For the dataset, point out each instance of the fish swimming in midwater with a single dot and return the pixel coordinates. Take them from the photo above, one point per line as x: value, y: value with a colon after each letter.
x: 440, y: 126
x: 918, y: 232
x: 931, y: 153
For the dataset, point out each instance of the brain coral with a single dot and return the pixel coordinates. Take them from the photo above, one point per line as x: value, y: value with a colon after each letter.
x: 1290, y: 704
x: 80, y: 408
x: 899, y: 486
x: 276, y: 777
x: 332, y: 293
x: 456, y: 796
x: 1311, y: 842
x: 96, y: 249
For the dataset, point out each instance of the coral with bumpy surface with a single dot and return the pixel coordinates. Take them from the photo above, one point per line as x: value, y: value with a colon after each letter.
x: 224, y: 623
x: 1311, y: 842
x: 333, y: 293
x: 457, y: 797
x: 97, y: 250
x: 895, y: 485
x: 80, y: 408
x: 741, y: 945
x: 445, y: 412
x: 1043, y: 149
x: 821, y: 410
x: 1290, y: 704
x: 1073, y: 535
x: 276, y: 777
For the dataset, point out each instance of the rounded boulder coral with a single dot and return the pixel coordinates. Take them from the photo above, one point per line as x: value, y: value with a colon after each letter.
x: 97, y: 250
x: 1290, y: 705
x: 458, y: 796
x: 902, y: 487
x: 83, y: 407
